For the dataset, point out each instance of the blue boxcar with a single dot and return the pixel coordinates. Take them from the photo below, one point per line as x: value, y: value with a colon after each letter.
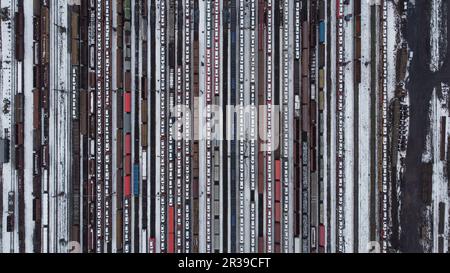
x: 321, y: 32
x: 136, y: 179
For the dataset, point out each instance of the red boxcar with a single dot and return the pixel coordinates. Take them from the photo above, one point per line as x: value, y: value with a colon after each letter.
x: 128, y: 165
x: 277, y: 211
x: 170, y: 243
x: 127, y: 186
x: 277, y: 190
x: 321, y: 235
x: 277, y: 169
x: 127, y: 106
x: 128, y: 144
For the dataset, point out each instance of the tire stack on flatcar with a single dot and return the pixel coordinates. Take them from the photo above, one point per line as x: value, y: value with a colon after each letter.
x: 269, y: 154
x: 254, y: 45
x: 240, y: 101
x: 107, y: 123
x: 179, y: 151
x: 187, y: 130
x: 285, y: 131
x: 163, y: 126
x: 99, y: 135
x: 216, y: 196
x: 225, y: 99
x: 170, y: 96
x: 340, y: 141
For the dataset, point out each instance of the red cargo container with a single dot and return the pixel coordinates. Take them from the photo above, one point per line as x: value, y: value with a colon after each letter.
x: 277, y: 190
x: 277, y: 211
x: 127, y: 106
x: 321, y: 235
x: 127, y: 186
x: 277, y: 169
x: 128, y: 144
x: 128, y: 165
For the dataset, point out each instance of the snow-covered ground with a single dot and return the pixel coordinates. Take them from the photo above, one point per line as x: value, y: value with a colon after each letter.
x: 28, y: 125
x: 392, y: 46
x: 439, y: 177
x: 59, y: 130
x: 439, y: 109
x: 8, y: 88
x: 438, y: 39
x: 365, y: 117
x: 349, y: 127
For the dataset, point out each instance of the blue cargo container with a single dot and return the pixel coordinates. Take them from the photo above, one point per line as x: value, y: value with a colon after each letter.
x: 321, y: 32
x: 136, y: 179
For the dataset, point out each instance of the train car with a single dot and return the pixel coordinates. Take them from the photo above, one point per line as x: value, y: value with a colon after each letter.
x: 171, y: 230
x: 127, y: 102
x: 127, y: 144
x: 277, y: 210
x: 119, y: 226
x: 19, y: 31
x: 321, y: 31
x: 127, y: 186
x: 127, y: 167
x: 120, y: 109
x: 305, y: 35
x: 136, y: 179
x: 83, y: 110
x: 195, y: 143
x: 321, y: 237
x: 443, y: 134
x: 144, y: 135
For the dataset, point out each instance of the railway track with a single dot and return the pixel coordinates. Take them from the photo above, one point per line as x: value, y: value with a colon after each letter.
x: 134, y: 148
